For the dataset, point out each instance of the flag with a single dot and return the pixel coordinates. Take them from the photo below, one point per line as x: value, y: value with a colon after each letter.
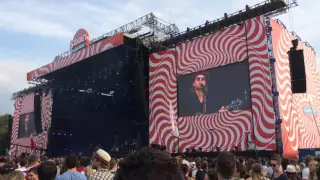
x: 174, y: 126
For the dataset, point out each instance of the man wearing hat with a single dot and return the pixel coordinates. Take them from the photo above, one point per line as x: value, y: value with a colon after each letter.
x: 101, y: 162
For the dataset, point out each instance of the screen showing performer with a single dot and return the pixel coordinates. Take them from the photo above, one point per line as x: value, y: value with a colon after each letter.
x: 220, y: 89
x: 26, y: 125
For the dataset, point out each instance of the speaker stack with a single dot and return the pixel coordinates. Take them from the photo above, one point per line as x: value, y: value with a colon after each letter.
x: 297, y: 69
x: 37, y: 112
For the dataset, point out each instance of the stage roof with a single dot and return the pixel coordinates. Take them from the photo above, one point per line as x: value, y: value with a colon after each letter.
x: 85, y: 53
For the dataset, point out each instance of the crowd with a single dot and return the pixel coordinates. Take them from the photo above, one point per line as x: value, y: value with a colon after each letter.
x: 154, y: 164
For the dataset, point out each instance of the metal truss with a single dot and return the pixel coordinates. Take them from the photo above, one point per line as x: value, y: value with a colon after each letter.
x: 156, y: 26
x: 266, y: 8
x: 294, y: 34
x: 275, y: 92
x: 37, y: 85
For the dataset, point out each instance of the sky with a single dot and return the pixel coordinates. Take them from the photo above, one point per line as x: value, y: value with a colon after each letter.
x: 33, y: 32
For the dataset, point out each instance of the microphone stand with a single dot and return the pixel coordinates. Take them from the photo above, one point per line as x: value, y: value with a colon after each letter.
x: 204, y: 103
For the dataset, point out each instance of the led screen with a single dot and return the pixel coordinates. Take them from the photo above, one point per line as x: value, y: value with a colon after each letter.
x: 220, y: 89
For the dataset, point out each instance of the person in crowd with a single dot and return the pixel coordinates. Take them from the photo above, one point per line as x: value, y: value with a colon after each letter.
x: 265, y: 172
x: 201, y: 173
x: 240, y: 172
x: 2, y: 161
x: 313, y: 164
x: 5, y: 170
x: 256, y: 172
x: 292, y: 172
x: 57, y: 162
x: 101, y: 162
x: 22, y: 165
x: 15, y: 175
x: 33, y: 174
x: 71, y: 173
x: 47, y: 170
x: 113, y: 166
x: 225, y: 165
x: 149, y: 164
x: 196, y: 169
x: 278, y: 173
x: 211, y: 175
x: 306, y: 171
x: 82, y: 164
x: 32, y: 162
x: 88, y: 171
x: 284, y: 164
x: 185, y: 171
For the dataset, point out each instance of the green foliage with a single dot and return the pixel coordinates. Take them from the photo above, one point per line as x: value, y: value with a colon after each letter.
x: 4, y: 124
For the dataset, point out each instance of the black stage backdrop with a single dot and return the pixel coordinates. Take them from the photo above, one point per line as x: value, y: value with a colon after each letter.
x: 95, y: 102
x: 226, y: 87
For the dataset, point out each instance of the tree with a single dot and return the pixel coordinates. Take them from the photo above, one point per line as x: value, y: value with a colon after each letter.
x: 4, y: 124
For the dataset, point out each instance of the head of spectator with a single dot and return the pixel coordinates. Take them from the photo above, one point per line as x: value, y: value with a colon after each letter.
x: 101, y: 160
x: 33, y: 174
x: 47, y: 170
x: 32, y: 161
x: 276, y: 164
x: 211, y: 175
x: 292, y: 172
x: 149, y: 164
x: 225, y: 165
x: 15, y: 175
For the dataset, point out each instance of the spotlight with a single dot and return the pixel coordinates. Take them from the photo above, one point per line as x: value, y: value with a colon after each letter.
x: 247, y: 8
x: 225, y: 16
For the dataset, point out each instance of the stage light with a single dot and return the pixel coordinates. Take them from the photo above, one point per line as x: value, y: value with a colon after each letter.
x: 70, y: 134
x: 58, y: 134
x: 225, y: 16
x: 247, y: 8
x: 65, y: 134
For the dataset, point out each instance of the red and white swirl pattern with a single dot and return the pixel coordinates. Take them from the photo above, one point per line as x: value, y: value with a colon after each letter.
x: 87, y: 52
x: 299, y: 130
x: 224, y: 47
x: 20, y: 106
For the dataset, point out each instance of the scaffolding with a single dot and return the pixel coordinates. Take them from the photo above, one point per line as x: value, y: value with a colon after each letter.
x: 149, y: 28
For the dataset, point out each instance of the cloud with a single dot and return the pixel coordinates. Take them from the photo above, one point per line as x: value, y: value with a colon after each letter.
x: 13, y: 79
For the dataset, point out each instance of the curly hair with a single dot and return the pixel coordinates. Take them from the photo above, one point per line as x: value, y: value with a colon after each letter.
x: 149, y: 164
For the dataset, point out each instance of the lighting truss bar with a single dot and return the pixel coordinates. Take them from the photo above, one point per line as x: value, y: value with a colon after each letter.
x: 308, y: 45
x: 268, y: 7
x: 157, y: 26
x: 28, y: 91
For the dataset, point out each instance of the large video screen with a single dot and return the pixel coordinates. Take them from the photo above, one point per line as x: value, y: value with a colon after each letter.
x: 224, y: 88
x: 27, y: 125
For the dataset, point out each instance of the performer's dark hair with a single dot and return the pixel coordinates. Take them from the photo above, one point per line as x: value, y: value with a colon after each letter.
x: 149, y: 164
x: 206, y: 76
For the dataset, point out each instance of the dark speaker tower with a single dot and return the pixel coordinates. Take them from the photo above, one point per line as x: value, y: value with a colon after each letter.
x: 37, y: 113
x: 298, y: 72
